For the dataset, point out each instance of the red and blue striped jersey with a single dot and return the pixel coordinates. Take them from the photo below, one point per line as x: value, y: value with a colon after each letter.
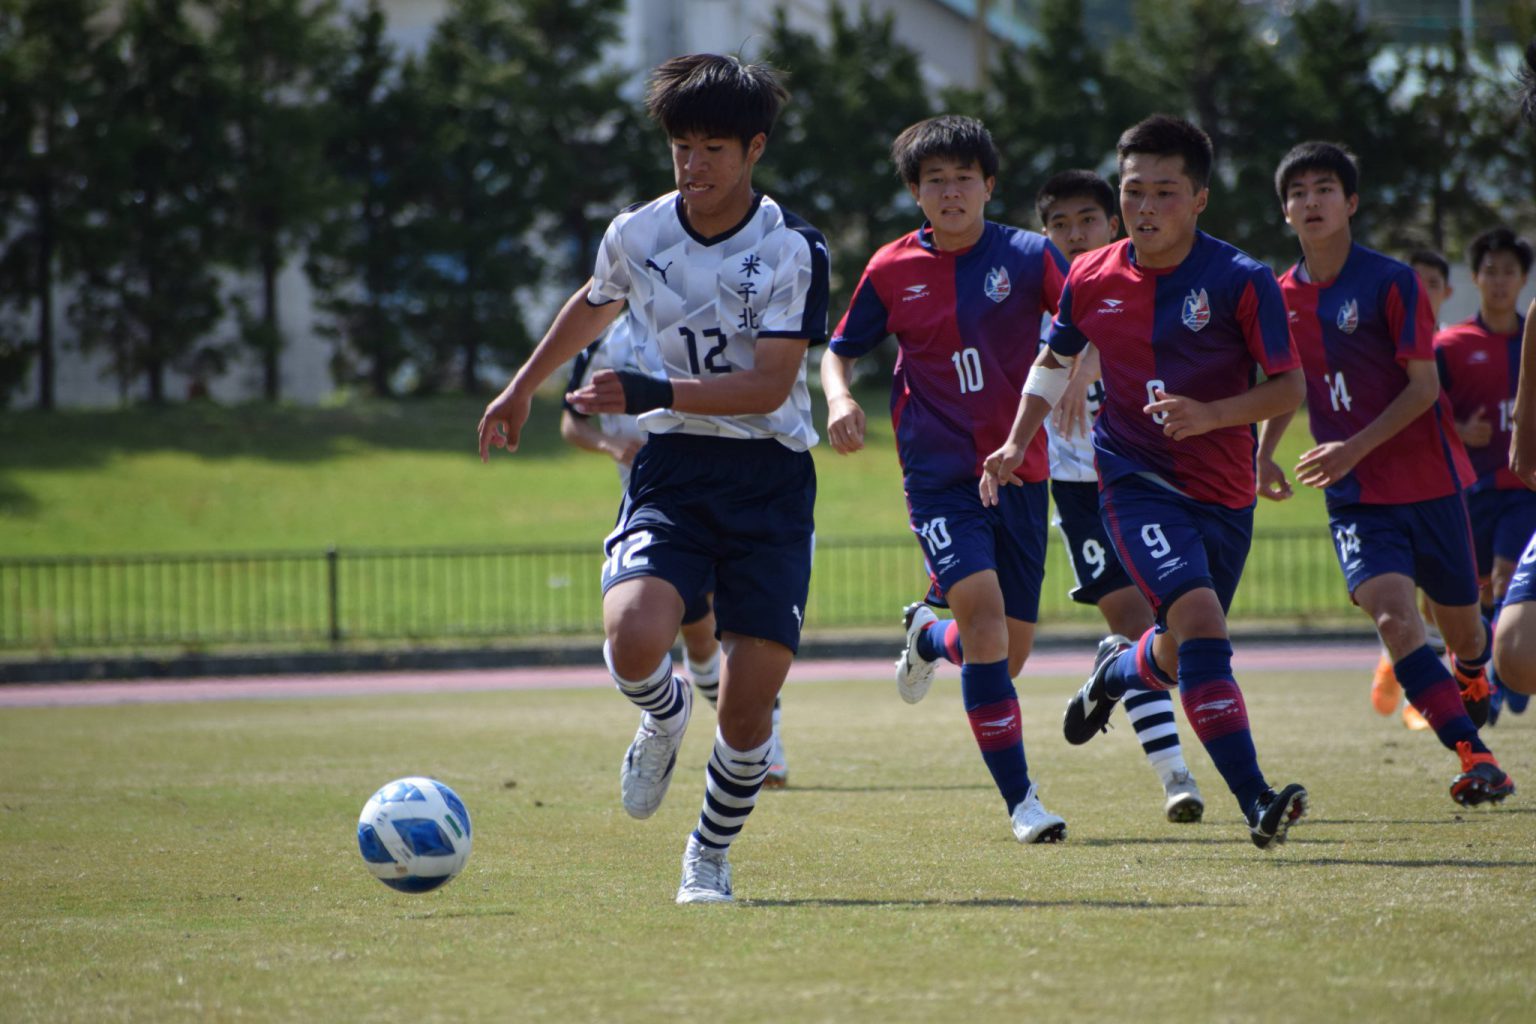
x: 1479, y: 370
x: 967, y: 325
x: 1355, y: 333
x: 1202, y: 330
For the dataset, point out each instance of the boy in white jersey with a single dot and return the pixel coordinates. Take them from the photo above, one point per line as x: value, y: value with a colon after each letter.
x: 620, y: 437
x: 729, y: 289
x: 1076, y: 211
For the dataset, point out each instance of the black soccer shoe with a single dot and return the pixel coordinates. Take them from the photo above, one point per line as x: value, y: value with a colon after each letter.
x: 1089, y: 710
x: 1274, y: 813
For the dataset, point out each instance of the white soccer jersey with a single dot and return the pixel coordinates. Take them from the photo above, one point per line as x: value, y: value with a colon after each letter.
x: 1071, y: 458
x: 613, y: 351
x: 702, y: 303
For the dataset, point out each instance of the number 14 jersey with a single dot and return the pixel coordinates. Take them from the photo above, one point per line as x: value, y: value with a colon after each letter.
x: 1354, y: 334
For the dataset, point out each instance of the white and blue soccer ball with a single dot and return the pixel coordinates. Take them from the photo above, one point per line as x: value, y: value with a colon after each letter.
x: 414, y: 834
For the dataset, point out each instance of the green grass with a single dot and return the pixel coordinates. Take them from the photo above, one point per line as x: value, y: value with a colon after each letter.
x: 197, y: 862
x: 199, y: 478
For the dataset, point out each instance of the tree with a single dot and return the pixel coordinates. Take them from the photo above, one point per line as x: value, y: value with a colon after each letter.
x: 269, y: 55
x: 149, y: 291
x: 44, y: 78
x: 829, y: 160
x: 359, y: 261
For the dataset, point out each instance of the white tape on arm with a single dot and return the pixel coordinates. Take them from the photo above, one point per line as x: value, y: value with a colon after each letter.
x: 1047, y: 383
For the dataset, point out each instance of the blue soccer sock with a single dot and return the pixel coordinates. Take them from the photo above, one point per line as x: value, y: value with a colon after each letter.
x: 992, y: 704
x: 1214, y: 705
x: 941, y: 640
x: 1429, y: 687
x: 1136, y: 669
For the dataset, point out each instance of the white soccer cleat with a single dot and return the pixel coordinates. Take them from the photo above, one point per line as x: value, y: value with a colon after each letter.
x: 914, y: 673
x: 706, y: 875
x: 1184, y: 803
x: 1032, y: 823
x: 648, y: 763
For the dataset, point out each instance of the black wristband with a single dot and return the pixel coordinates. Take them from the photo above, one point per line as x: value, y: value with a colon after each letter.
x: 642, y: 393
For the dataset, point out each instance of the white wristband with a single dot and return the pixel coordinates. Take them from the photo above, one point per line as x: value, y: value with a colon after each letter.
x: 1047, y: 383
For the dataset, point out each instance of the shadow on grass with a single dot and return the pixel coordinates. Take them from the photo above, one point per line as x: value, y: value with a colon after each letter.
x: 787, y: 790
x: 989, y: 904
x: 1377, y: 862
x: 1192, y: 840
x: 481, y: 912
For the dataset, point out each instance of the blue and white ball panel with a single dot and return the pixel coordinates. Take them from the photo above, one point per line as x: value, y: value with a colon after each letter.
x: 414, y: 834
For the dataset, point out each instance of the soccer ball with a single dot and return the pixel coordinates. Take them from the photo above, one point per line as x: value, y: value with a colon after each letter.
x: 414, y: 834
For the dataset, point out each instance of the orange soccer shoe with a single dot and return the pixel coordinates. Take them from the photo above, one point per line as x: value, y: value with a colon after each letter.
x: 1385, y: 690
x: 1481, y: 779
x: 1412, y: 719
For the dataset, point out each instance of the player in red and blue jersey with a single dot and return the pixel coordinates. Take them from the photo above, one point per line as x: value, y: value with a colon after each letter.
x: 964, y: 298
x: 1387, y: 455
x: 1183, y: 323
x: 1479, y: 362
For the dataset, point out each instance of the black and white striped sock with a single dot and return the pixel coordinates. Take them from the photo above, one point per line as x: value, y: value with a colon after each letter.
x: 732, y: 781
x: 705, y: 676
x: 659, y: 694
x: 1151, y: 715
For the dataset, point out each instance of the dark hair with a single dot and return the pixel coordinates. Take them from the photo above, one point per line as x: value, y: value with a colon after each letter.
x: 1162, y: 135
x: 1430, y: 258
x: 1499, y: 239
x: 715, y: 96
x: 1329, y: 157
x: 1074, y: 185
x: 964, y: 140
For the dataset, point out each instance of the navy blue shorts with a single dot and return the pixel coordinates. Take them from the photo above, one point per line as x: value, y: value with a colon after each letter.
x: 1430, y: 542
x: 1096, y: 570
x: 1170, y: 544
x: 700, y: 605
x: 1522, y: 585
x: 1502, y: 521
x: 960, y: 537
x: 739, y: 512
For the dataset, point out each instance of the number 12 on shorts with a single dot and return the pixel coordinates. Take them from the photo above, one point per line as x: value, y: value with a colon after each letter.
x: 626, y: 553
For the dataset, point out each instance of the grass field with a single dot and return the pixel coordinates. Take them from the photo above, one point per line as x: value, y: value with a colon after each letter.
x: 197, y: 862
x: 203, y: 478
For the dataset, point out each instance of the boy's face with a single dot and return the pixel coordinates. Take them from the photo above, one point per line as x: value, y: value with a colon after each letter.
x: 1436, y: 288
x: 953, y: 196
x: 714, y: 174
x: 1499, y: 281
x: 1078, y: 224
x: 1159, y: 206
x: 1315, y: 205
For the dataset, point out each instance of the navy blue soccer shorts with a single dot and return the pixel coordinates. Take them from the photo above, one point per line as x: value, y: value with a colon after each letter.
x: 1096, y: 570
x: 1502, y: 521
x: 1522, y: 585
x: 737, y: 511
x: 961, y: 537
x: 1170, y: 544
x: 1430, y: 542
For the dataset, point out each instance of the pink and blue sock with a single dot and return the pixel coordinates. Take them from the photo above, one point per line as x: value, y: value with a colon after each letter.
x: 1136, y: 669
x: 992, y: 704
x: 1215, y: 709
x: 1429, y: 687
x: 941, y: 640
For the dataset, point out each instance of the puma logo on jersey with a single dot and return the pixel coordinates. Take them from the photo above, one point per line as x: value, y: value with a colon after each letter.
x: 660, y: 270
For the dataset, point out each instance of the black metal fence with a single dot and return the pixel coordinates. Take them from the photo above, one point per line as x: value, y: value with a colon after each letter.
x: 296, y: 599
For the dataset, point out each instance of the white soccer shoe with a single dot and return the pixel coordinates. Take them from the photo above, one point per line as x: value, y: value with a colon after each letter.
x: 1185, y: 804
x: 648, y: 763
x: 914, y: 673
x: 706, y: 875
x: 1032, y: 823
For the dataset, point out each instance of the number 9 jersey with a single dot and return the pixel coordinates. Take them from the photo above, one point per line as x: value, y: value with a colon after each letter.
x: 705, y: 302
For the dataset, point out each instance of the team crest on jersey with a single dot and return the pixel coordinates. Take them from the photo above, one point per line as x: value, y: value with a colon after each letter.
x: 1349, y: 316
x: 1197, y: 310
x: 997, y: 286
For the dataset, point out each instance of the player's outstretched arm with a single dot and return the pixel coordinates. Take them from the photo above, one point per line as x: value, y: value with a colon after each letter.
x: 574, y: 327
x: 845, y: 418
x: 1329, y: 463
x: 1522, y: 441
x: 1042, y: 390
x: 1272, y: 483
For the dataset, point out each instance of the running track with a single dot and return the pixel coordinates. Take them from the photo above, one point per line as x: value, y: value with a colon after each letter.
x: 1249, y: 658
